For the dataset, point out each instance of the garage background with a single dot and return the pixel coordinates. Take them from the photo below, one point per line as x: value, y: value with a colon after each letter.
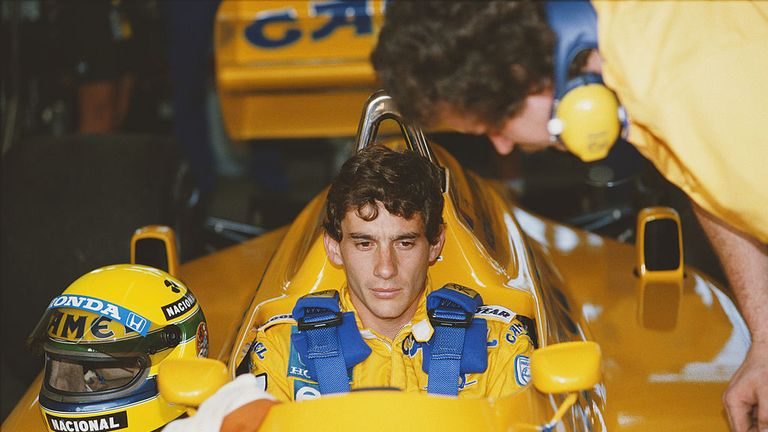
x: 70, y: 201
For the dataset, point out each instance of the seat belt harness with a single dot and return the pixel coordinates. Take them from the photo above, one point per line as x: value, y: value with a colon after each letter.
x: 328, y: 339
x: 458, y: 345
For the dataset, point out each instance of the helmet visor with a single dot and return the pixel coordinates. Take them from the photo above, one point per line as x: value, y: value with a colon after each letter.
x: 78, y: 331
x: 72, y: 375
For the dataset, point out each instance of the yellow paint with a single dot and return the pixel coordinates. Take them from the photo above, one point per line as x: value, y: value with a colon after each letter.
x: 189, y: 382
x: 647, y: 216
x: 143, y: 294
x: 413, y: 412
x: 164, y: 234
x: 566, y: 367
x: 310, y: 78
x: 26, y: 416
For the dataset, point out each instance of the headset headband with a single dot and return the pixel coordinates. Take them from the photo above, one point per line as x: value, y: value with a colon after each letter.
x: 575, y: 25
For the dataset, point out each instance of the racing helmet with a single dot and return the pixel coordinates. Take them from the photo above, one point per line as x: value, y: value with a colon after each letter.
x: 104, y: 339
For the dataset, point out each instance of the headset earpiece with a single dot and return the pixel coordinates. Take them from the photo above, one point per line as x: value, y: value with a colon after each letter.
x: 588, y: 119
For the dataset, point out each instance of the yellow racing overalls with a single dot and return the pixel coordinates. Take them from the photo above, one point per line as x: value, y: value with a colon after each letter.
x: 397, y: 362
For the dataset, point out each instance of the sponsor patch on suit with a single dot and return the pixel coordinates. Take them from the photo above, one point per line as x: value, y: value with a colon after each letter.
x: 494, y: 312
x: 522, y: 370
x: 296, y: 366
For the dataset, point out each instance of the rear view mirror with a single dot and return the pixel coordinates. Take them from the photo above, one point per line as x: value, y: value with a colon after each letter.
x: 189, y: 382
x: 659, y: 266
x: 659, y: 244
x: 155, y: 246
x: 566, y: 367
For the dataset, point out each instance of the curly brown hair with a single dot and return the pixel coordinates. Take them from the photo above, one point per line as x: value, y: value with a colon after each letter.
x: 477, y: 57
x: 405, y: 183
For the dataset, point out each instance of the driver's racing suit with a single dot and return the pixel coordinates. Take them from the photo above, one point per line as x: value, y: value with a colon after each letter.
x: 395, y: 363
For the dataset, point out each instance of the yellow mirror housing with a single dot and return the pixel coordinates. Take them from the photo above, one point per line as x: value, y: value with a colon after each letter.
x: 659, y: 245
x: 189, y: 382
x: 566, y: 367
x: 155, y: 246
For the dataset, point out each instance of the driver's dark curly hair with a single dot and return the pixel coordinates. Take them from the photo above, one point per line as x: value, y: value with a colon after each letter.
x: 406, y: 184
x: 480, y: 58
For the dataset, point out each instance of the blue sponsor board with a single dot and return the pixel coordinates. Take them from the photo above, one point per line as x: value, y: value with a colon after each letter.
x: 118, y: 313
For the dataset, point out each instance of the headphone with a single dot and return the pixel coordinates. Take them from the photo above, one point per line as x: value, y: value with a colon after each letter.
x: 587, y: 116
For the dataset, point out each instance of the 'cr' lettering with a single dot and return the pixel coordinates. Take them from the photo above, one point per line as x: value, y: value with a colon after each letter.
x: 341, y: 13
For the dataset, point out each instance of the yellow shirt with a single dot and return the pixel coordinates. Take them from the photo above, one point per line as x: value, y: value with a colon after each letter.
x: 396, y: 363
x: 693, y: 77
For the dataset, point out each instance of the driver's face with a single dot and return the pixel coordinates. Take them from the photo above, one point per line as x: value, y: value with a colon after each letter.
x: 527, y: 129
x: 385, y: 261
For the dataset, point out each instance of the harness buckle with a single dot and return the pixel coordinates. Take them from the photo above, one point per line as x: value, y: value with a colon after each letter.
x: 438, y: 321
x: 333, y: 321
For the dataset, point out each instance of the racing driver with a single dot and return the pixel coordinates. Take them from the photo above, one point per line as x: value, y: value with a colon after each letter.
x: 384, y: 227
x: 387, y: 326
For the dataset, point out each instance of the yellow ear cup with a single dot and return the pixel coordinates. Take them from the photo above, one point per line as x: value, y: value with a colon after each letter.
x: 587, y: 121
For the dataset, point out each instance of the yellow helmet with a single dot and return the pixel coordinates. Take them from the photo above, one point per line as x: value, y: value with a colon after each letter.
x: 104, y: 339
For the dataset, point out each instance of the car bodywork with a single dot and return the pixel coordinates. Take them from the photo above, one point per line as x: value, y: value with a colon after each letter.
x: 291, y: 69
x: 668, y: 350
x: 670, y: 339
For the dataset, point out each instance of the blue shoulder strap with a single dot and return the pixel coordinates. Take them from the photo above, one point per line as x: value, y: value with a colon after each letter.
x: 328, y: 339
x: 458, y: 344
x: 575, y: 25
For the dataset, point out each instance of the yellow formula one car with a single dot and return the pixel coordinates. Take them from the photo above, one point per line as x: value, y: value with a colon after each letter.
x: 666, y: 339
x: 628, y: 338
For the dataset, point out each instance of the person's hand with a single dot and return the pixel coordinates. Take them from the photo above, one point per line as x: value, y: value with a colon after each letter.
x: 247, y: 418
x: 746, y: 398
